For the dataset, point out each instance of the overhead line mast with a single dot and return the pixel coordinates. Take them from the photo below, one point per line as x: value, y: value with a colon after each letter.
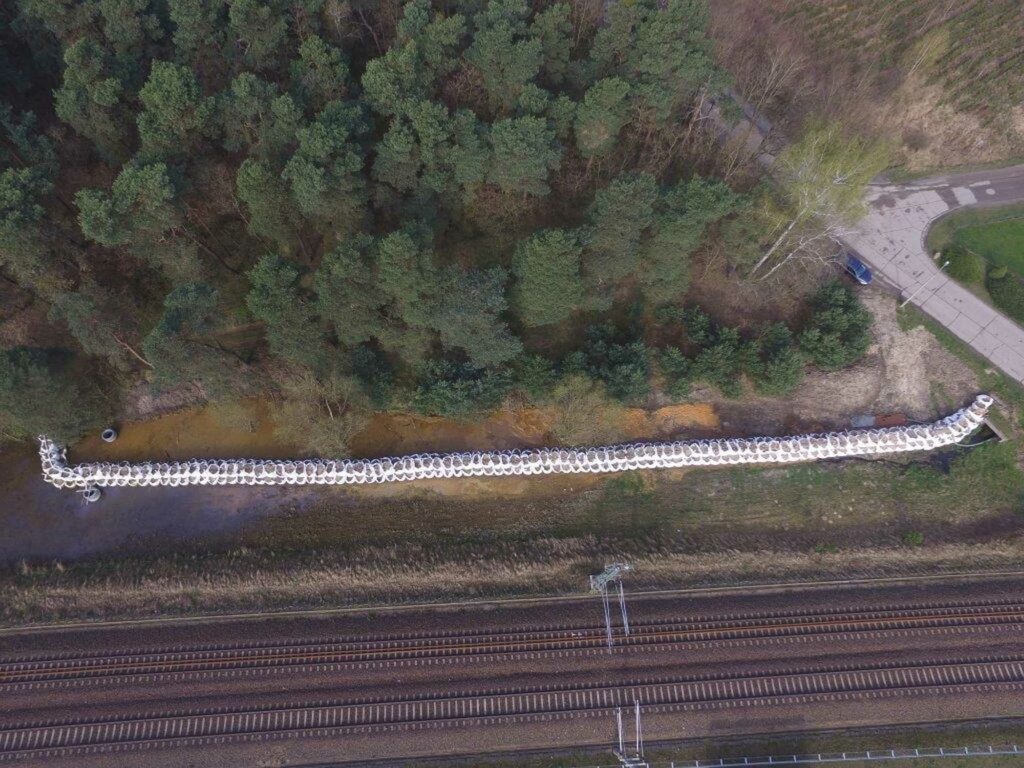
x: 633, y: 759
x: 600, y: 584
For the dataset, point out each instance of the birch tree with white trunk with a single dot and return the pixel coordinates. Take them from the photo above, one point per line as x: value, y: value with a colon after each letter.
x: 821, y: 180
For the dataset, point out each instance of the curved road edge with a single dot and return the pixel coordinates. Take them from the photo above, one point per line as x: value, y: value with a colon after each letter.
x: 891, y: 240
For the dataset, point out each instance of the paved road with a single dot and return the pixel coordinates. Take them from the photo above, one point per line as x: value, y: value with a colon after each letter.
x: 891, y: 240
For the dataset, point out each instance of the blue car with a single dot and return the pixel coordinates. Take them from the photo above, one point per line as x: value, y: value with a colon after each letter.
x: 858, y: 270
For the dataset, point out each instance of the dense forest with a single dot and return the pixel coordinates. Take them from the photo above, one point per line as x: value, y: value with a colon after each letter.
x: 349, y: 206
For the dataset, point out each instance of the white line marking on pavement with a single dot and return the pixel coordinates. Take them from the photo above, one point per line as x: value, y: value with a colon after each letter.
x: 964, y: 196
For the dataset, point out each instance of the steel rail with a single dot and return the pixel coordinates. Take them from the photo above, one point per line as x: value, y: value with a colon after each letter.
x: 823, y: 613
x: 197, y: 727
x: 40, y: 670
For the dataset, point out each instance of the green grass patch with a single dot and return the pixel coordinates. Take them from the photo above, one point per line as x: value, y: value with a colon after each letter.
x: 700, y: 527
x: 819, y: 491
x: 993, y: 234
x: 343, y: 547
x: 985, y: 251
x: 876, y: 739
x: 1000, y: 241
x: 966, y: 266
x: 1007, y: 292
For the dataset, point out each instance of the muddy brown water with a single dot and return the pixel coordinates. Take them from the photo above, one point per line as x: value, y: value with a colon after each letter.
x: 199, y: 433
x: 40, y: 522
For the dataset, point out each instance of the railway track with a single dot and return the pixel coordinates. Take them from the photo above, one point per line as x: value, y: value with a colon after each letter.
x: 30, y: 671
x: 65, y: 738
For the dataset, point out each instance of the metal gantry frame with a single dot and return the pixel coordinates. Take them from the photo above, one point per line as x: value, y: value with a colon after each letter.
x: 601, y: 584
x: 634, y: 759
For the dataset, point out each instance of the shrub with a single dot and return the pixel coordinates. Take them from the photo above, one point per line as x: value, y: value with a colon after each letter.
x: 838, y: 332
x: 374, y: 371
x: 913, y: 538
x: 547, y: 270
x: 448, y: 389
x: 964, y: 266
x: 998, y: 272
x: 669, y: 314
x: 677, y: 370
x: 583, y: 413
x: 39, y: 395
x: 321, y: 412
x: 720, y: 362
x: 535, y: 376
x: 1007, y: 293
x: 700, y: 329
x: 775, y: 363
x: 915, y: 139
x: 629, y: 486
x: 619, y: 362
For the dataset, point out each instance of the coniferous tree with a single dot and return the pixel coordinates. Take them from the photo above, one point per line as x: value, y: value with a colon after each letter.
x: 24, y: 249
x: 65, y: 19
x: 660, y: 49
x: 259, y: 27
x: 504, y: 52
x: 180, y: 348
x: 617, y: 218
x: 200, y: 32
x: 290, y: 324
x: 547, y: 271
x: 525, y: 152
x: 325, y: 171
x: 175, y: 115
x: 682, y: 217
x: 348, y: 295
x: 467, y: 316
x: 258, y: 120
x: 130, y: 27
x: 94, y: 323
x: 36, y: 386
x: 553, y: 27
x: 93, y: 100
x: 777, y: 364
x: 33, y: 247
x: 140, y: 211
x: 320, y: 74
x: 271, y: 212
x: 603, y: 113
x: 408, y: 277
x: 839, y: 331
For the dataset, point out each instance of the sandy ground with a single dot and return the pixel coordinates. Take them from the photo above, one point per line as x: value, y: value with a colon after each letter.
x: 905, y: 372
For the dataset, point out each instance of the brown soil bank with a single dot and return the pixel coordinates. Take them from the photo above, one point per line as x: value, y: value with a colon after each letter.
x: 199, y: 432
